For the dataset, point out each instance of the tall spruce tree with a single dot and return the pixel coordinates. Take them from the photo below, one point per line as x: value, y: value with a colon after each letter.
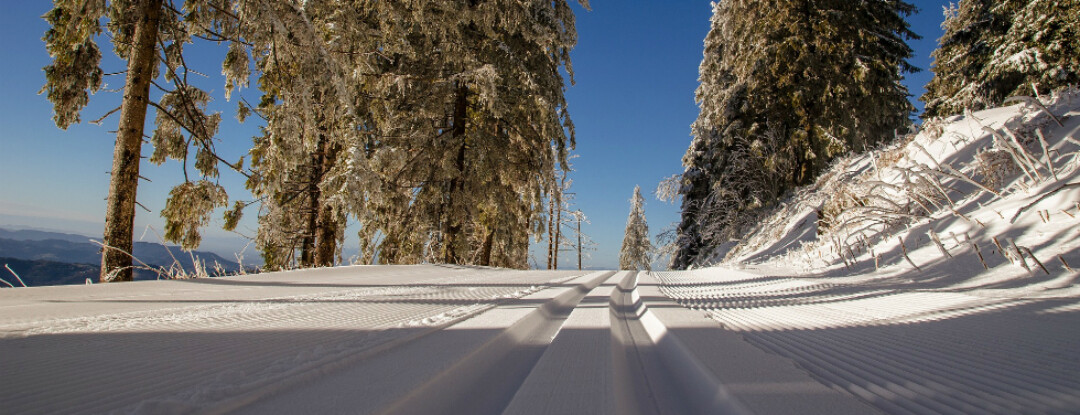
x: 308, y: 169
x: 1041, y: 50
x: 636, y: 246
x: 971, y: 31
x: 785, y: 88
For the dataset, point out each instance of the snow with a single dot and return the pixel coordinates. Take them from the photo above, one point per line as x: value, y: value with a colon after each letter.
x: 413, y: 339
x: 189, y: 345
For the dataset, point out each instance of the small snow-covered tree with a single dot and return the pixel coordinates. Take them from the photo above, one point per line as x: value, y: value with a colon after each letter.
x: 579, y: 242
x: 636, y: 246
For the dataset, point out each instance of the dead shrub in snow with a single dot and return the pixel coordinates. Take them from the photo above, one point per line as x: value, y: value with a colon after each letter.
x: 995, y: 167
x: 835, y: 205
x: 891, y: 155
x: 934, y: 128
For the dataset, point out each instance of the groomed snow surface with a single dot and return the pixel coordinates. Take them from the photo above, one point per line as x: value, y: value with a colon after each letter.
x: 458, y: 340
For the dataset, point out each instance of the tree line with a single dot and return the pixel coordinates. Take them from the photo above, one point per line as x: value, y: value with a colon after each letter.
x: 786, y: 87
x: 440, y: 126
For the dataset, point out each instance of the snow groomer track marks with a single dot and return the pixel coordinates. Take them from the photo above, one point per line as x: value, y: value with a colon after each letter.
x: 451, y: 340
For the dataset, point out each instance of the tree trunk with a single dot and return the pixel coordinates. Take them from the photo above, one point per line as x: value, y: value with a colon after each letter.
x: 311, y: 213
x: 489, y: 244
x: 558, y: 222
x: 327, y: 224
x: 579, y: 243
x: 550, y: 230
x: 120, y: 206
x: 455, y: 219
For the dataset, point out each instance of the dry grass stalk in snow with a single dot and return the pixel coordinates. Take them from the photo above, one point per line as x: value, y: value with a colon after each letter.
x: 961, y: 175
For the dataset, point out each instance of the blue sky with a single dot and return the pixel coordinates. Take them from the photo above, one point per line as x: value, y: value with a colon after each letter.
x: 636, y: 70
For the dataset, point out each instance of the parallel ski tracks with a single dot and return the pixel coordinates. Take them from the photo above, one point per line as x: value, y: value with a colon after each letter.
x: 932, y: 352
x: 202, y: 345
x: 467, y: 340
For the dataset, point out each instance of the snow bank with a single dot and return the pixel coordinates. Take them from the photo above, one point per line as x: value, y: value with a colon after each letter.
x: 985, y: 197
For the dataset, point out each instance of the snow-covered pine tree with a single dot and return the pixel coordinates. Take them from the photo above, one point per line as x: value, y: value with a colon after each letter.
x: 636, y: 246
x: 1040, y: 51
x: 308, y: 166
x: 971, y: 31
x: 785, y: 88
x: 149, y: 36
x: 470, y: 103
x: 992, y: 50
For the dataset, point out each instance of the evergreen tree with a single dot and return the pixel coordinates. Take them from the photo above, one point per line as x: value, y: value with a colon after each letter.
x: 1041, y: 50
x: 636, y: 247
x: 785, y: 88
x: 470, y: 103
x: 307, y: 171
x: 149, y: 36
x: 992, y: 50
x: 971, y: 30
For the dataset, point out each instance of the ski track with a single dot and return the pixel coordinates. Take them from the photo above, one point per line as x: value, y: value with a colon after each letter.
x: 903, y: 350
x: 213, y: 351
x: 433, y: 339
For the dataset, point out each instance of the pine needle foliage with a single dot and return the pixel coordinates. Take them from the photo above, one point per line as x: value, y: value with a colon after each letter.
x: 995, y: 49
x: 469, y: 104
x: 786, y: 87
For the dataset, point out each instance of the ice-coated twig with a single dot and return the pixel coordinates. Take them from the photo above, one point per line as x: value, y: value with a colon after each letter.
x: 1046, y: 153
x: 1008, y: 148
x: 1029, y: 160
x: 1029, y: 100
x: 1066, y: 264
x: 923, y: 149
x: 951, y: 172
x: 1037, y: 262
x: 16, y: 275
x: 904, y: 249
x: 940, y: 246
x: 978, y: 252
x: 1041, y: 198
x: 955, y: 239
x: 1002, y: 251
x: 116, y: 271
x: 1019, y: 255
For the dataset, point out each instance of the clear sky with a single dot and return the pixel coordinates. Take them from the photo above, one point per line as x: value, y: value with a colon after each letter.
x: 636, y: 70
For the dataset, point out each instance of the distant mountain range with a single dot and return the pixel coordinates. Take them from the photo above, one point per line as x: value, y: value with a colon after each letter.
x: 53, y: 258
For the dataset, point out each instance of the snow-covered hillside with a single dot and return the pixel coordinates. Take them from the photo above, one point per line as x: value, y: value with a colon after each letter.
x: 985, y: 197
